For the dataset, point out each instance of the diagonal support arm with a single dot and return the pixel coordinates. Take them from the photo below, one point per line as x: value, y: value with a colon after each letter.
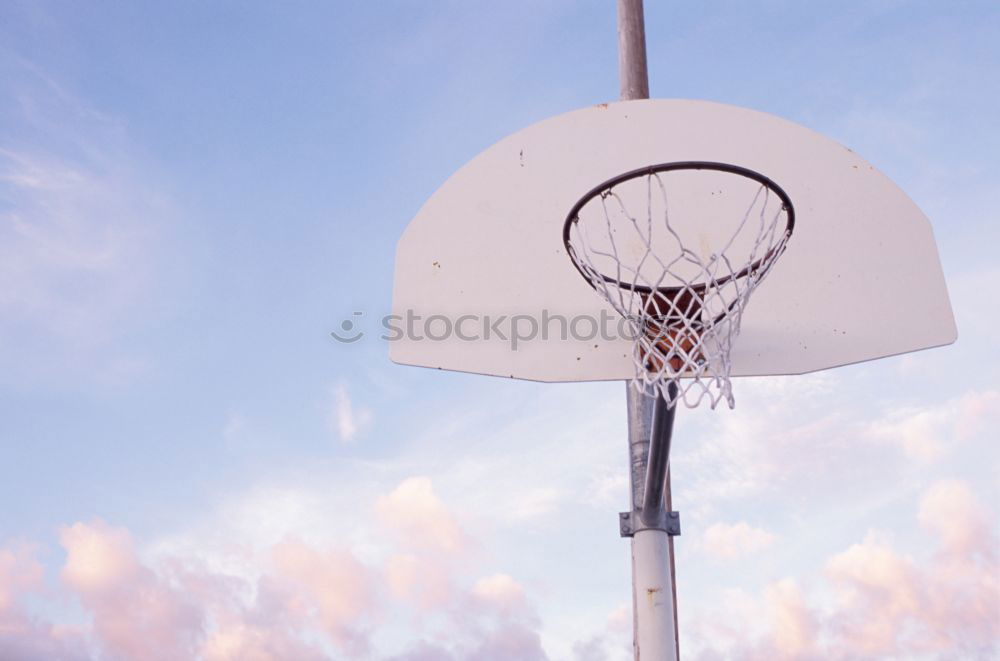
x: 659, y: 457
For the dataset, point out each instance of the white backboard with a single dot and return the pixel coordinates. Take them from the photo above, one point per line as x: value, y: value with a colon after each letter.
x: 860, y: 279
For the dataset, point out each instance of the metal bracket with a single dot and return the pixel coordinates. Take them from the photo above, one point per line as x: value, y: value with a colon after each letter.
x: 631, y: 522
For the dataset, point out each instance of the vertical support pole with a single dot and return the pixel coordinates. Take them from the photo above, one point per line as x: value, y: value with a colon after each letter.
x: 633, y: 75
x: 652, y: 599
x: 654, y: 593
x: 654, y: 596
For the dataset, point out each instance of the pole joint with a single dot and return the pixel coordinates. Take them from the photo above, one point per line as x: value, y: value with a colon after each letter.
x: 629, y: 523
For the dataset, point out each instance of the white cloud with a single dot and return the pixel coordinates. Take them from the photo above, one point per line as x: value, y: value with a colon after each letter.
x: 74, y: 242
x: 927, y: 433
x: 82, y: 238
x: 612, y: 643
x: 609, y: 489
x: 728, y: 541
x: 486, y: 469
x: 535, y: 502
x: 768, y: 443
x: 347, y: 420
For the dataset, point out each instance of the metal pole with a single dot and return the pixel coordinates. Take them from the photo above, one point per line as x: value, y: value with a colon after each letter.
x: 632, y: 72
x: 654, y: 596
x: 659, y: 457
x: 640, y: 423
x: 654, y: 613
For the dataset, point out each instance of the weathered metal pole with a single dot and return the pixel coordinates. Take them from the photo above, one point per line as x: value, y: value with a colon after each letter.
x: 632, y: 72
x: 654, y: 596
x: 661, y: 430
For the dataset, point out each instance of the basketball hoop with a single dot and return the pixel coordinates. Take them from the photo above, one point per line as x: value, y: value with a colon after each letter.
x: 683, y: 296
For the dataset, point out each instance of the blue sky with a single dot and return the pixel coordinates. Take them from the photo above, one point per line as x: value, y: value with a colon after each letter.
x: 193, y: 195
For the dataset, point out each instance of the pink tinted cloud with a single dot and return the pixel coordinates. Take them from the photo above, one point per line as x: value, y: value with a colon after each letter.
x: 794, y: 627
x: 490, y: 620
x: 255, y: 634
x: 887, y: 605
x: 950, y: 511
x: 494, y: 621
x: 137, y: 613
x: 927, y: 433
x: 266, y: 620
x: 500, y: 591
x: 173, y: 611
x: 20, y: 572
x: 878, y: 589
x: 21, y: 635
x: 415, y: 513
x: 331, y: 588
x: 423, y: 580
x: 962, y: 604
x: 307, y: 603
x: 614, y: 641
x: 977, y: 411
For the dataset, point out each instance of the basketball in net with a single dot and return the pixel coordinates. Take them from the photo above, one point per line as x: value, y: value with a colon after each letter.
x: 677, y: 249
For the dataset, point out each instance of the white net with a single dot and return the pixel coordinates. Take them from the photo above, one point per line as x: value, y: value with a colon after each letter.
x: 681, y: 286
